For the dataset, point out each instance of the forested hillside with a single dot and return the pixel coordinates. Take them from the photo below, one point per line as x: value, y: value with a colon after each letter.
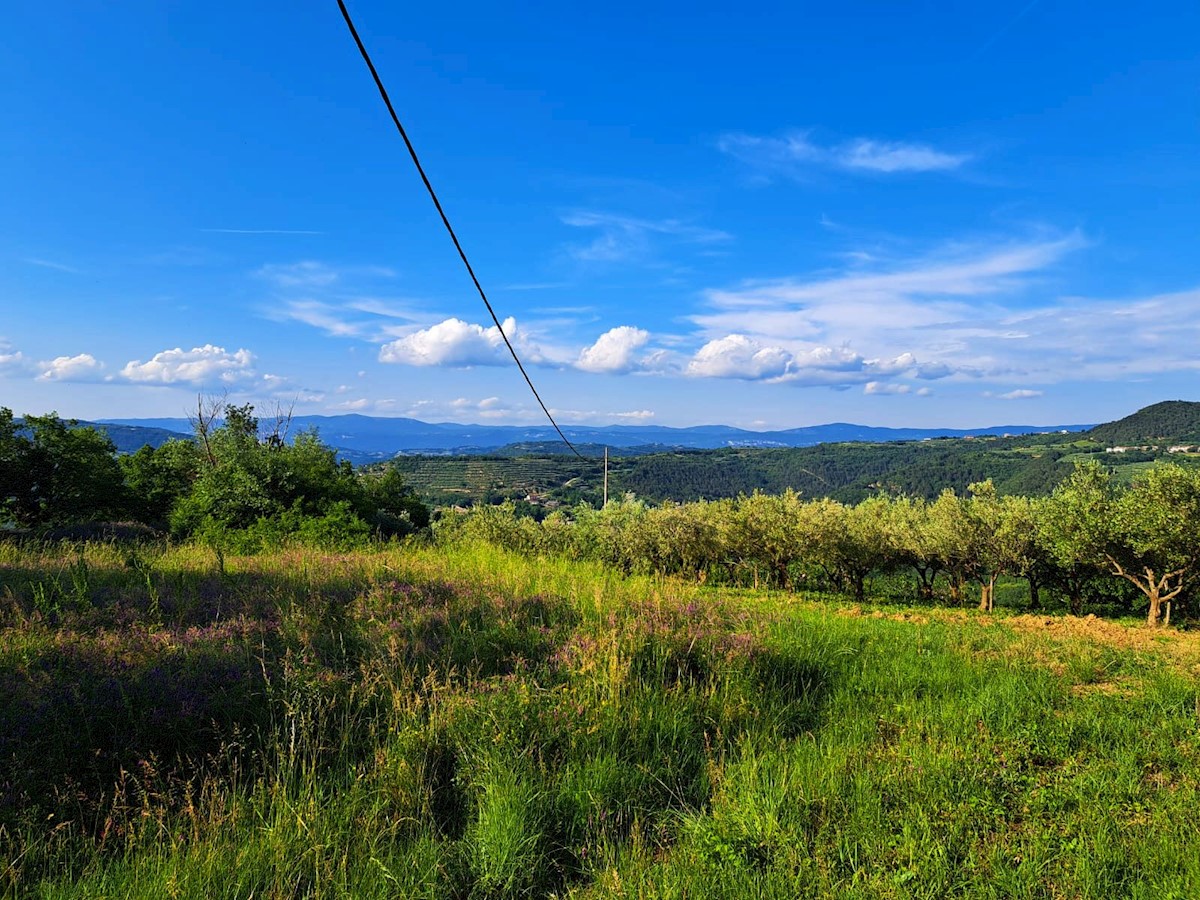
x: 1030, y: 465
x: 1171, y: 422
x: 851, y: 471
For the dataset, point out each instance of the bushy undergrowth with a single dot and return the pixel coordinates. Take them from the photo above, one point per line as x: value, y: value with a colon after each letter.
x: 420, y: 722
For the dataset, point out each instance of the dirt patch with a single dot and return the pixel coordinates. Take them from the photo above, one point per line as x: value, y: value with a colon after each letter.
x: 1182, y: 648
x: 1108, y: 632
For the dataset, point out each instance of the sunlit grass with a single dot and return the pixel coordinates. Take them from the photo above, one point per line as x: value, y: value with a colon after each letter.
x: 415, y: 721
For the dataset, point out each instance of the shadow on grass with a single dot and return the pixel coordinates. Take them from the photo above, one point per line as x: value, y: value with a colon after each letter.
x: 197, y: 674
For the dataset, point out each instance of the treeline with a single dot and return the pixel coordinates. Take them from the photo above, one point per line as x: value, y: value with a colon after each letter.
x: 854, y: 471
x: 233, y: 485
x: 1091, y: 543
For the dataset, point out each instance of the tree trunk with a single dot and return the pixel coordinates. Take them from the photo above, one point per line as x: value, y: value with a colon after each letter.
x: 1157, y: 590
x: 1153, y: 612
x: 926, y: 575
x: 1035, y: 593
x: 956, y: 588
x: 987, y: 594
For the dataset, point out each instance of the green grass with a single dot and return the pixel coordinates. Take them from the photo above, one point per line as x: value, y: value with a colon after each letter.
x: 424, y: 722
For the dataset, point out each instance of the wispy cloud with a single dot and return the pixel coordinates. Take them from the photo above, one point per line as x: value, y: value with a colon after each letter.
x: 305, y: 274
x: 341, y: 301
x: 949, y: 313
x: 625, y: 238
x: 333, y: 320
x: 977, y: 311
x: 795, y: 155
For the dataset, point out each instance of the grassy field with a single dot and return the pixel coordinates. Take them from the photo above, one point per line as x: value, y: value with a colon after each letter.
x: 422, y: 722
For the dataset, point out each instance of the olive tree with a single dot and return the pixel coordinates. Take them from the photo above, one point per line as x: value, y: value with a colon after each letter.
x: 1154, y: 536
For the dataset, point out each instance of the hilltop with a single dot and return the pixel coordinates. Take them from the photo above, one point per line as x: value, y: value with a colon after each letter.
x: 1171, y: 422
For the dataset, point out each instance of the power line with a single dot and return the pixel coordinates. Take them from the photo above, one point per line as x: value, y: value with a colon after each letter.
x: 445, y: 221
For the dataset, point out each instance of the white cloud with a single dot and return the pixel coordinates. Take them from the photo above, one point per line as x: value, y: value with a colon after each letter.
x: 941, y: 316
x: 795, y: 155
x: 615, y: 351
x: 332, y: 320
x: 1022, y: 394
x: 11, y: 359
x: 748, y: 358
x: 885, y: 387
x: 83, y: 367
x: 885, y: 156
x: 454, y: 342
x: 601, y: 417
x: 737, y: 356
x: 200, y: 365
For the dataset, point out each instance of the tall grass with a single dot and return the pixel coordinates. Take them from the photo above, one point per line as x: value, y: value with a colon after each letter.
x: 423, y: 722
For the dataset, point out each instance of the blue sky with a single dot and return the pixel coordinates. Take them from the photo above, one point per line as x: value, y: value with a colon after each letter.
x: 765, y: 215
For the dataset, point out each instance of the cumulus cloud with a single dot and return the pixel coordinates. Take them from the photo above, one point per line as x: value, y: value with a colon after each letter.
x: 737, y: 356
x: 83, y: 367
x: 746, y: 357
x: 885, y: 387
x: 795, y: 155
x: 200, y: 365
x: 615, y: 351
x: 11, y: 359
x: 454, y: 342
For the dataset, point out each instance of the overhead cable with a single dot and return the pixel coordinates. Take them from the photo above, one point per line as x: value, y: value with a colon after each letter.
x: 446, y: 221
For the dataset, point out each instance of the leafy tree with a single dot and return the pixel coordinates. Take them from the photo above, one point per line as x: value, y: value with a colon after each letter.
x: 1074, y: 529
x: 953, y: 538
x: 157, y: 478
x: 55, y: 473
x: 1154, y: 536
x: 393, y: 507
x: 853, y: 541
x: 13, y: 475
x: 1002, y: 536
x: 768, y: 534
x: 265, y: 488
x: 914, y: 541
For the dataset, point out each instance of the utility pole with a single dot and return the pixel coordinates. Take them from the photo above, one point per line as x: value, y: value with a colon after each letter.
x: 605, y: 477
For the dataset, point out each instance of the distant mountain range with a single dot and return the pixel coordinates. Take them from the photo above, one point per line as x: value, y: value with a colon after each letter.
x: 366, y: 438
